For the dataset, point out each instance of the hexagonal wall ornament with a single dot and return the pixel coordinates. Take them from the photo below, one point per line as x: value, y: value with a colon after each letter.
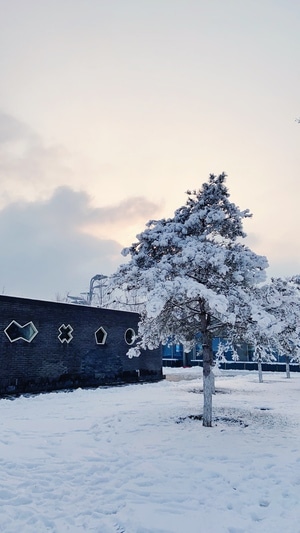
x: 65, y: 333
x: 100, y: 335
x: 16, y: 332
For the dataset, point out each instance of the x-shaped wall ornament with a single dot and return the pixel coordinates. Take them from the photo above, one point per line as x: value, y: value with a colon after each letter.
x: 65, y: 333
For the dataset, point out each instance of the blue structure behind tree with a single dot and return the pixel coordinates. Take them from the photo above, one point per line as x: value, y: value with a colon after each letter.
x: 173, y: 355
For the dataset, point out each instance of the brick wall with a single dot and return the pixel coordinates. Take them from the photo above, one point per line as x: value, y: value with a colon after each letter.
x: 46, y: 363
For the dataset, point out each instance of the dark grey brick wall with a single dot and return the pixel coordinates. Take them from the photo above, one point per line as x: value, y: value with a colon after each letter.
x: 47, y: 364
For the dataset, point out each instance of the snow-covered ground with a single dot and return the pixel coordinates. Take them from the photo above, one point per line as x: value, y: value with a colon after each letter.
x: 129, y: 459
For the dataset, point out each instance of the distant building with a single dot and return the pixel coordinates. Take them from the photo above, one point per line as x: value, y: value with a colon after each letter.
x: 173, y: 355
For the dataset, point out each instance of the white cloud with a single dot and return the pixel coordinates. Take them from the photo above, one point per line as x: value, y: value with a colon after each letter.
x: 28, y: 167
x: 53, y: 240
x: 45, y: 250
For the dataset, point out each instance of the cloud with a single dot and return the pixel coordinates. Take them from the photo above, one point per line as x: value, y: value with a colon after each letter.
x: 29, y: 168
x: 46, y: 248
x: 53, y: 240
x: 12, y: 130
x: 75, y: 208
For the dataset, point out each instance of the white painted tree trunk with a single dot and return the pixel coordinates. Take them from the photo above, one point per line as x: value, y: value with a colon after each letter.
x: 287, y: 367
x: 213, y: 382
x: 207, y: 372
x: 207, y: 399
x: 260, y: 374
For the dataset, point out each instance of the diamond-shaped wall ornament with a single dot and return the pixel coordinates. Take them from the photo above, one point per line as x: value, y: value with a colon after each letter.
x: 15, y: 331
x: 100, y: 335
x: 65, y: 333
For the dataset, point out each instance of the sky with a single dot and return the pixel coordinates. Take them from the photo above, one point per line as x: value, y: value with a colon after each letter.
x: 135, y: 459
x: 111, y: 109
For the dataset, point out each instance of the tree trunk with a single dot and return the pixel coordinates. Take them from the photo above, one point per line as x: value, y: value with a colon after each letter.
x: 287, y: 367
x: 184, y: 359
x: 260, y: 375
x: 213, y: 382
x: 207, y: 400
x: 208, y: 380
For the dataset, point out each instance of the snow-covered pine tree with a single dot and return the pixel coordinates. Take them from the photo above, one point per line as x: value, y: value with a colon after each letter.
x: 195, y: 275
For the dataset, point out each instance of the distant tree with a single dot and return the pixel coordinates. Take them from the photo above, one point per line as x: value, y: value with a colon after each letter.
x: 260, y: 328
x: 195, y: 276
x: 281, y: 298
